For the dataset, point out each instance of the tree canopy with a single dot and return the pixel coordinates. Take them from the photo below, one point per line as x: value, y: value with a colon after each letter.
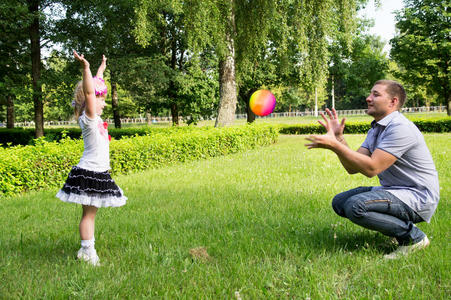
x: 423, y: 46
x: 242, y: 33
x: 203, y: 59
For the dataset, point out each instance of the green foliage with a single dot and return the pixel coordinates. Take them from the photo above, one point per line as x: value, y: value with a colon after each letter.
x: 14, y: 53
x: 443, y: 125
x: 169, y: 76
x: 46, y: 164
x: 110, y: 35
x: 267, y: 38
x: 25, y: 136
x: 423, y: 47
x: 40, y: 166
x: 354, y: 72
x: 197, y: 93
x: 140, y: 153
x: 146, y: 79
x: 59, y: 76
x: 439, y: 125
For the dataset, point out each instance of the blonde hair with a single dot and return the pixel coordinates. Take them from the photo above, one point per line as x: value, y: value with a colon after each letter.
x: 79, y: 95
x: 79, y: 100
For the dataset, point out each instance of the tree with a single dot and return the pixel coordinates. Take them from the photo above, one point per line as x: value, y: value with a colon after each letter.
x: 35, y: 31
x: 300, y: 28
x: 189, y: 92
x: 58, y: 86
x: 14, y: 54
x: 101, y: 27
x: 236, y: 29
x: 354, y: 72
x: 38, y: 32
x: 423, y: 46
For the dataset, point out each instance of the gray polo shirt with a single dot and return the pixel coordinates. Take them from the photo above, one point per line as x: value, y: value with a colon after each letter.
x: 413, y: 177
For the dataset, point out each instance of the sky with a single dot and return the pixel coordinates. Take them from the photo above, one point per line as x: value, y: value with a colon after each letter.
x: 384, y: 18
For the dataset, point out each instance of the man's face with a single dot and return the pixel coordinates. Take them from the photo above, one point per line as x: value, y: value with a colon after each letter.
x: 380, y: 103
x: 100, y: 105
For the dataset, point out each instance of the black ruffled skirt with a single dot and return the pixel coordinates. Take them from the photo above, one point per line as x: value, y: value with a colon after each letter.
x: 92, y: 188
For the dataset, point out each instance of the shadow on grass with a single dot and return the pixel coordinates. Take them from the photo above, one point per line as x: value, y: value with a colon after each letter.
x: 179, y: 220
x: 347, y: 241
x: 251, y: 221
x: 39, y: 249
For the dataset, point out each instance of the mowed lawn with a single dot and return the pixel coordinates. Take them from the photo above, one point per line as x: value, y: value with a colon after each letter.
x: 254, y: 225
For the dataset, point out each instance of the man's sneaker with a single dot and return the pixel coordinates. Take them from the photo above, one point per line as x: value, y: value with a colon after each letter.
x: 405, y: 250
x: 89, y: 255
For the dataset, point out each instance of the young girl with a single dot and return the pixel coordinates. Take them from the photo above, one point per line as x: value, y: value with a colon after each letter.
x: 89, y: 183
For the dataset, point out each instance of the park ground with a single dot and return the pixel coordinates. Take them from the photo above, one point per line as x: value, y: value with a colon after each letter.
x: 253, y: 225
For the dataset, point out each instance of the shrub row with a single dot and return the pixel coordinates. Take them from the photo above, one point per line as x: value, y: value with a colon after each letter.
x: 439, y: 125
x: 46, y: 164
x: 25, y: 136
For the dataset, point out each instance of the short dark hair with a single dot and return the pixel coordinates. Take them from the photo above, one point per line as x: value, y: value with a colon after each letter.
x: 394, y: 89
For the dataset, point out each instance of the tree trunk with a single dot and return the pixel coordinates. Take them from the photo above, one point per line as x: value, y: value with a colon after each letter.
x: 448, y: 108
x: 175, y: 114
x: 10, y: 112
x: 446, y: 89
x: 227, y: 83
x: 148, y: 118
x: 115, y: 105
x: 33, y: 8
x: 246, y: 97
x: 171, y: 92
x: 447, y: 97
x: 115, y: 102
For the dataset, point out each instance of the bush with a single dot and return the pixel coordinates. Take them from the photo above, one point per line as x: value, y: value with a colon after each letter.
x: 439, y: 125
x: 46, y: 164
x: 25, y: 136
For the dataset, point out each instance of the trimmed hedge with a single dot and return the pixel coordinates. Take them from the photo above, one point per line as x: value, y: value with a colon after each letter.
x: 46, y: 164
x: 25, y: 136
x: 438, y: 125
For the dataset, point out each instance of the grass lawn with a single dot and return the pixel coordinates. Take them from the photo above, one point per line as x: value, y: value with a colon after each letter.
x: 263, y: 218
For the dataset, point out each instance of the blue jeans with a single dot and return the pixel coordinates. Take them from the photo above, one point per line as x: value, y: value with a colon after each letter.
x: 381, y: 211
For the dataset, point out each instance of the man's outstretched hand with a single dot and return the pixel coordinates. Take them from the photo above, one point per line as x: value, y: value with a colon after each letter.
x: 333, y: 123
x: 334, y: 131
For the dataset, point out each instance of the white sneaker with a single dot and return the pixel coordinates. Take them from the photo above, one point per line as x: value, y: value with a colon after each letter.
x: 405, y: 250
x: 89, y: 255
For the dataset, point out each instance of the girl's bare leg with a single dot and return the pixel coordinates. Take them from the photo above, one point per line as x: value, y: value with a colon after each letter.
x: 87, y: 222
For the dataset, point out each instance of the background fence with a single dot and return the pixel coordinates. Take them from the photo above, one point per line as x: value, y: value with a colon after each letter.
x: 154, y: 120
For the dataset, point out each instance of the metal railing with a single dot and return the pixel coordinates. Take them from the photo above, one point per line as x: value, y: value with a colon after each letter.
x: 143, y: 120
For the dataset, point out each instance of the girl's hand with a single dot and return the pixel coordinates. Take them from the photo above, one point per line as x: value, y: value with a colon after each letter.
x: 103, y: 64
x: 102, y: 67
x: 81, y: 59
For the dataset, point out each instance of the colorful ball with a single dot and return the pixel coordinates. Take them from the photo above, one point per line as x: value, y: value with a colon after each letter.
x: 262, y: 103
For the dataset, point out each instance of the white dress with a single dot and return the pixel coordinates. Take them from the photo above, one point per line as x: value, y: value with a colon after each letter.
x: 90, y: 182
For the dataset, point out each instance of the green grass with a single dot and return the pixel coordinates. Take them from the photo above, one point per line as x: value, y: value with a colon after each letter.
x: 264, y: 217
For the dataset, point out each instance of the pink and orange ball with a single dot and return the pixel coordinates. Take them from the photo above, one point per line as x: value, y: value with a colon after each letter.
x: 262, y: 103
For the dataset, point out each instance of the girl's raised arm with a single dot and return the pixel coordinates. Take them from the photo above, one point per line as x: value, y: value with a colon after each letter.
x: 102, y: 67
x: 88, y: 86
